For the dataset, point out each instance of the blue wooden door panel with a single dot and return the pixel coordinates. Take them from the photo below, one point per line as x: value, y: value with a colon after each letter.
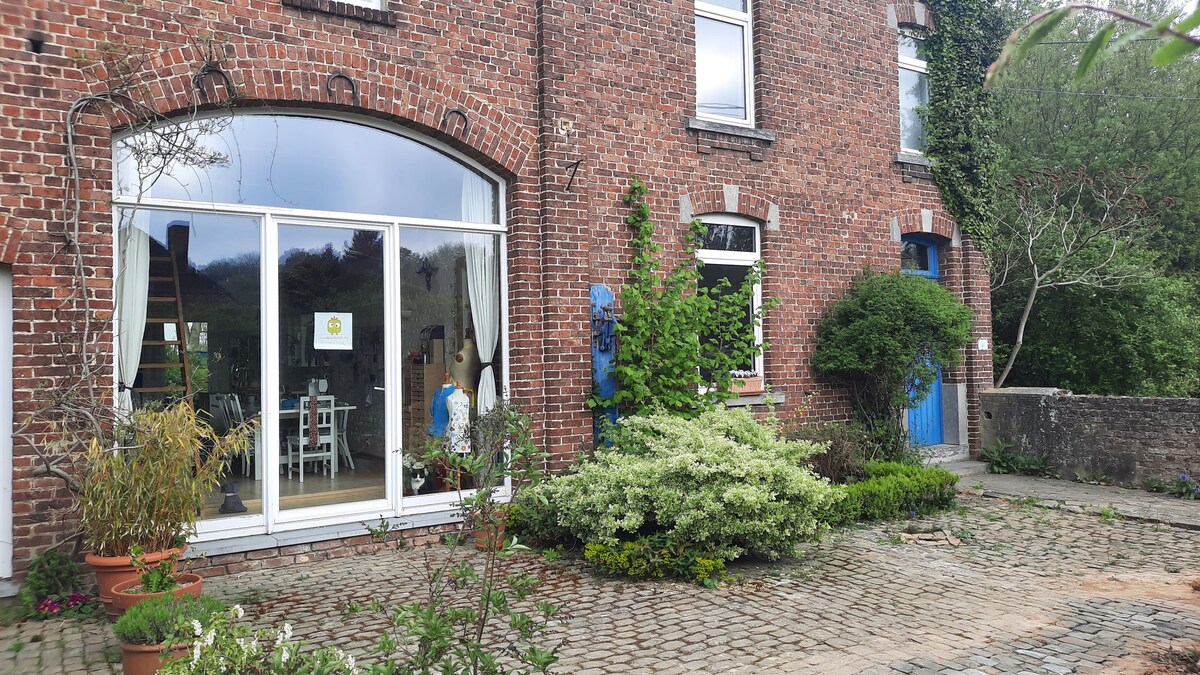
x: 925, y: 418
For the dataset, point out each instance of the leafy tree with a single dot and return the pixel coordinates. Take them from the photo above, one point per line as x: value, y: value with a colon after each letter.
x: 1125, y: 112
x: 1068, y: 228
x: 884, y: 341
x: 1173, y: 30
x: 1142, y: 339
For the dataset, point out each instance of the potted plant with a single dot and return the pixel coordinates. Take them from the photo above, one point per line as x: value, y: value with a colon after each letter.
x: 746, y: 382
x: 145, y: 630
x: 147, y: 489
x: 152, y: 581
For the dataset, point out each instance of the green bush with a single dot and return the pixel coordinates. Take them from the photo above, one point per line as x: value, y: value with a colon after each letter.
x: 893, y: 490
x: 884, y: 341
x: 51, y: 575
x: 151, y: 621
x: 656, y: 556
x: 722, y: 482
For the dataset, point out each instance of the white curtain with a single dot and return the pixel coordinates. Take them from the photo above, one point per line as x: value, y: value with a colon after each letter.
x: 133, y: 286
x: 483, y: 285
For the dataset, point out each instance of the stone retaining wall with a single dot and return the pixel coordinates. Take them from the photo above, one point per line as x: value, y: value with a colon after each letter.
x: 1122, y: 438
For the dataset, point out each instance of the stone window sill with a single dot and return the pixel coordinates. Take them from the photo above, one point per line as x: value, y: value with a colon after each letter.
x: 756, y: 399
x: 696, y: 124
x: 914, y: 158
x: 345, y: 9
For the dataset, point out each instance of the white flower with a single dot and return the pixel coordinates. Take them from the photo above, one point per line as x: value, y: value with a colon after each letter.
x: 197, y: 628
x: 283, y: 655
x: 238, y: 612
x: 196, y: 652
x: 287, y: 631
x: 209, y: 637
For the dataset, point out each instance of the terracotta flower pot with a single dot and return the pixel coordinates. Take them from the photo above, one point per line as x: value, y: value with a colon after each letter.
x: 147, y: 659
x: 114, y: 570
x: 490, y: 537
x: 189, y: 584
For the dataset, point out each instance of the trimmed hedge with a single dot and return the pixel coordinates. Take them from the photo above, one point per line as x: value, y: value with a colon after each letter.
x: 892, y: 490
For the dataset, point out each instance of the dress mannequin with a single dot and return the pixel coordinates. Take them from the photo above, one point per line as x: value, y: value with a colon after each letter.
x: 458, y: 437
x: 438, y: 407
x: 464, y: 367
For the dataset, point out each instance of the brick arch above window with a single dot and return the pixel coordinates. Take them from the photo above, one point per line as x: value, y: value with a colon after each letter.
x: 733, y: 199
x: 272, y: 73
x: 925, y: 221
x: 910, y: 14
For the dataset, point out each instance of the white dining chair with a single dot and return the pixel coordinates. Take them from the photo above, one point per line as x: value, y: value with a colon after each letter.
x: 298, y: 450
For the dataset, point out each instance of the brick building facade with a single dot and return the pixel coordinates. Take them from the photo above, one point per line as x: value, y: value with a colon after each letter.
x: 551, y: 104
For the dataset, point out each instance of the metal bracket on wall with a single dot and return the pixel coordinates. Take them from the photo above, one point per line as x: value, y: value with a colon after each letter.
x: 461, y: 113
x: 342, y: 76
x: 210, y: 68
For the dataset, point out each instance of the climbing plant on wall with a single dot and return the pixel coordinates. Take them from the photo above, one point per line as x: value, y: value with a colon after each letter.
x: 959, y: 121
x: 678, y: 343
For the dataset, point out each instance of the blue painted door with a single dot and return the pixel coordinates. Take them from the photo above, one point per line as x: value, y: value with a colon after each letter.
x: 925, y: 418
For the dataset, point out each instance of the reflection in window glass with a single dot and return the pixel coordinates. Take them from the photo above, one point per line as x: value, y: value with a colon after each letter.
x: 914, y: 92
x: 724, y: 237
x: 303, y: 162
x: 912, y: 47
x: 450, y: 306
x: 188, y: 326
x: 331, y: 370
x: 914, y: 257
x: 711, y: 277
x: 721, y: 68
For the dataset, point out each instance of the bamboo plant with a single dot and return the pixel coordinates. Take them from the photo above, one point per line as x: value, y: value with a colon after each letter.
x: 149, y: 490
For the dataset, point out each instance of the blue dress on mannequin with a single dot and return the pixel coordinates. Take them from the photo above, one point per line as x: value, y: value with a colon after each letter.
x: 441, y: 414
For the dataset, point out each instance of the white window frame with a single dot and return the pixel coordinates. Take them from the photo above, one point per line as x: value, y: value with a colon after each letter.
x: 272, y: 519
x: 743, y: 21
x: 914, y: 65
x: 739, y: 258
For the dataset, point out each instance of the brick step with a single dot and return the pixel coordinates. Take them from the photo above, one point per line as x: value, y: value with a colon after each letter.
x: 966, y: 468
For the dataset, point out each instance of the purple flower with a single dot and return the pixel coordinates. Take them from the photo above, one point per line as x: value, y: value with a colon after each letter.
x: 77, y: 599
x: 1184, y: 477
x: 49, y: 606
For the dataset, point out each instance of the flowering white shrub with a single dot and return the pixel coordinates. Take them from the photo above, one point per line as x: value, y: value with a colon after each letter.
x: 228, y: 647
x: 723, y: 481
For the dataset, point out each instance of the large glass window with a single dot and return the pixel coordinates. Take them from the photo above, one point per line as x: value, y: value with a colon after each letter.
x: 914, y: 89
x: 450, y: 293
x: 189, y: 324
x: 300, y: 162
x: 724, y: 70
x: 728, y: 251
x: 373, y: 332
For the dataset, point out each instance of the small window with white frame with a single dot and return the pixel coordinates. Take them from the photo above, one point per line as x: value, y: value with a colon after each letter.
x: 728, y: 251
x: 724, y: 62
x: 914, y: 88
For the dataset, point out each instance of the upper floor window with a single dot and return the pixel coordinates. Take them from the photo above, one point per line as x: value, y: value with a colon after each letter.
x: 914, y: 88
x: 728, y: 251
x: 724, y: 64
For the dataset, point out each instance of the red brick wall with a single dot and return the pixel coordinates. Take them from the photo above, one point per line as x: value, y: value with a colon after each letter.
x: 620, y: 73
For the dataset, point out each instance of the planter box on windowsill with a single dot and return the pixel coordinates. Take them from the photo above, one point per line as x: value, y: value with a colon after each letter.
x: 747, y: 386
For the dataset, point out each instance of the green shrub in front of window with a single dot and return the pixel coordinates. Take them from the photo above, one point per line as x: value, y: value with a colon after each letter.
x: 722, y: 482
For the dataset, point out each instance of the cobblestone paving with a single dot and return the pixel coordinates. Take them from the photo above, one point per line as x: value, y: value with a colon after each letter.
x: 1030, y: 590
